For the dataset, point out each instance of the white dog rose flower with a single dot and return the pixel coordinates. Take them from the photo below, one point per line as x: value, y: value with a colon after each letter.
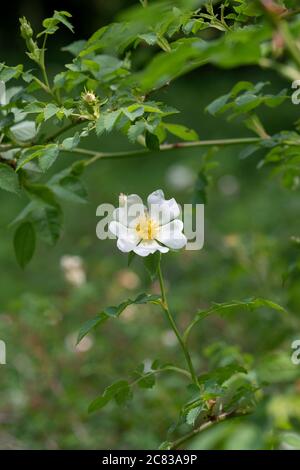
x: 145, y: 230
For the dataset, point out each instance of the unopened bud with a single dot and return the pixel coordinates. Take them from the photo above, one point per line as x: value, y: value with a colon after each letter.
x: 122, y: 200
x: 277, y: 44
x: 25, y: 28
x: 273, y: 7
x: 89, y: 97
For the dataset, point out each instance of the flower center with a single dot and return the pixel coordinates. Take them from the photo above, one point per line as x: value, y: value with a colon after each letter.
x: 147, y: 228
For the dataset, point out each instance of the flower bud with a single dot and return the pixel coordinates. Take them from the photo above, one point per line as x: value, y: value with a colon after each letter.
x: 25, y: 28
x: 122, y: 200
x: 273, y: 8
x: 89, y: 97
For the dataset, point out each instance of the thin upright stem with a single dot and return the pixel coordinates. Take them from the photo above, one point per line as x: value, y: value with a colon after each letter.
x: 173, y: 325
x: 289, y: 41
x: 42, y: 62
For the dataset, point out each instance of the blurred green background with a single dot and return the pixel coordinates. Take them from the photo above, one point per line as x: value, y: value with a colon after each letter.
x: 47, y: 383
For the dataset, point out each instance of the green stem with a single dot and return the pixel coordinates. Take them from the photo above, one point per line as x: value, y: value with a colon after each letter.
x: 46, y: 85
x: 163, y: 148
x: 141, y: 152
x: 290, y: 42
x: 255, y: 124
x: 287, y: 71
x: 173, y: 325
x: 42, y: 62
x: 218, y: 419
x: 165, y: 369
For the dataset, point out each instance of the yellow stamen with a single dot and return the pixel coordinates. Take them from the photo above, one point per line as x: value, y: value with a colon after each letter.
x: 147, y: 229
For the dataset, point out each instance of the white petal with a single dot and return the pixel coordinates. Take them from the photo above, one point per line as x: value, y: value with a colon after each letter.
x: 125, y: 245
x: 162, y: 210
x: 165, y: 211
x: 119, y: 230
x: 171, y: 235
x: 127, y: 237
x: 129, y: 213
x: 148, y: 247
x: 157, y: 197
x: 116, y: 228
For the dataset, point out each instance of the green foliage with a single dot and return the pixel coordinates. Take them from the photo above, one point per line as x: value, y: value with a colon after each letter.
x: 120, y: 391
x: 227, y: 307
x: 114, y: 312
x: 102, y: 91
x: 243, y: 98
x: 111, y: 84
x: 8, y: 179
x: 151, y: 263
x: 24, y: 243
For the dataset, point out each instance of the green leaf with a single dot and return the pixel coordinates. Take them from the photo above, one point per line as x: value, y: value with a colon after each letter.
x: 71, y: 142
x: 50, y: 110
x: 221, y: 374
x: 250, y: 304
x: 110, y: 120
x: 24, y: 243
x: 50, y: 24
x: 35, y: 107
x: 135, y: 131
x: 8, y: 179
x: 166, y: 445
x: 131, y: 256
x: 227, y: 307
x: 48, y: 223
x: 115, y: 312
x: 152, y: 141
x: 245, y: 97
x: 24, y: 131
x: 28, y: 155
x: 149, y: 38
x: 48, y: 156
x: 75, y: 47
x: 218, y: 104
x: 133, y: 111
x: 163, y: 43
x: 248, y: 151
x: 292, y: 440
x: 120, y: 391
x: 193, y: 414
x: 146, y: 298
x: 142, y: 378
x: 7, y: 73
x: 7, y: 121
x: 42, y: 194
x: 89, y: 325
x: 181, y: 131
x: 107, y: 121
x: 46, y: 153
x: 62, y: 16
x: 100, y: 124
x: 151, y: 262
x: 70, y: 188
